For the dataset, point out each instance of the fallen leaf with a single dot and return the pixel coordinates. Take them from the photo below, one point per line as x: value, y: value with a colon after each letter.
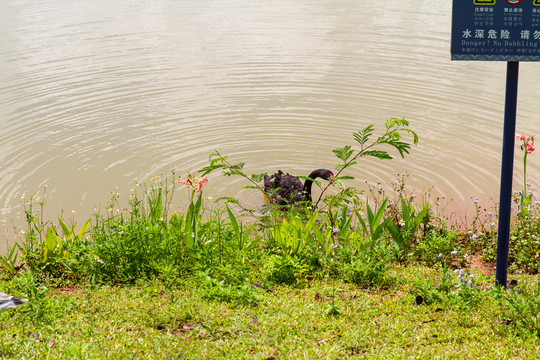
x: 188, y: 327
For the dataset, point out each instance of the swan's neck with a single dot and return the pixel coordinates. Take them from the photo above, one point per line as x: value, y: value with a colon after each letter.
x: 307, y: 189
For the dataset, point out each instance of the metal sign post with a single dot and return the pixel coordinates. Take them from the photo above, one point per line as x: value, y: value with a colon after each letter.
x: 499, y: 30
x: 507, y: 166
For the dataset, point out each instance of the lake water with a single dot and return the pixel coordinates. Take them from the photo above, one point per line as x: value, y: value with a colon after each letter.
x: 97, y: 94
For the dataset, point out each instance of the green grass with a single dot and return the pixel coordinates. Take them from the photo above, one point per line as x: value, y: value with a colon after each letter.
x: 152, y: 321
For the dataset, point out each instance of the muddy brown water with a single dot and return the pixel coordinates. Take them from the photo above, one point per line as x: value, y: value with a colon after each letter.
x: 97, y: 94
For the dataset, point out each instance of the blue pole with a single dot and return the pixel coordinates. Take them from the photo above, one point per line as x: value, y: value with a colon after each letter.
x: 507, y: 170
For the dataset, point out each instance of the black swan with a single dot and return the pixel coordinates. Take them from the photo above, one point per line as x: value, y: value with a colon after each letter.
x: 8, y: 301
x: 283, y: 189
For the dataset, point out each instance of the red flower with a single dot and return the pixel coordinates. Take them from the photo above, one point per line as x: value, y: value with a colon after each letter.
x: 195, y: 183
x: 528, y: 143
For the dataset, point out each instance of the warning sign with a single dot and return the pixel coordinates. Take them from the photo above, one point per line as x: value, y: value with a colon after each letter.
x: 496, y: 30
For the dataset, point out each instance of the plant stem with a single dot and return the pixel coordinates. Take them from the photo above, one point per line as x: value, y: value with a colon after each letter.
x: 524, y: 173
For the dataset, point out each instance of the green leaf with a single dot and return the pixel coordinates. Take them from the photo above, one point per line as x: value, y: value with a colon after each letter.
x: 51, y: 242
x: 340, y: 167
x: 345, y: 177
x: 362, y: 136
x: 82, y: 231
x: 343, y: 153
x: 234, y: 222
x: 379, y: 154
x: 362, y: 222
x: 396, y: 235
x: 249, y: 230
x: 68, y: 234
x: 257, y: 177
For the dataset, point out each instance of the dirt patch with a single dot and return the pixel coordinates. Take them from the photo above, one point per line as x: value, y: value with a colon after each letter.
x: 69, y: 289
x: 476, y: 263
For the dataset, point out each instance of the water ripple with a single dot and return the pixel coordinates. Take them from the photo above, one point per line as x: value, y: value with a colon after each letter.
x: 94, y: 96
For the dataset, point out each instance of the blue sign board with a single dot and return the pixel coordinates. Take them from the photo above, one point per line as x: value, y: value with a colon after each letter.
x: 496, y: 30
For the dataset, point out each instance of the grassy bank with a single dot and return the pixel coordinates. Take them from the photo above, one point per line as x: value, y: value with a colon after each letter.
x: 154, y: 321
x: 380, y: 274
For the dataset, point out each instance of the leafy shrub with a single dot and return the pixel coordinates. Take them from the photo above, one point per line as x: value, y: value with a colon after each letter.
x: 456, y: 288
x: 524, y: 250
x: 283, y: 269
x: 241, y: 294
x: 368, y: 269
x: 521, y: 308
x: 436, y: 243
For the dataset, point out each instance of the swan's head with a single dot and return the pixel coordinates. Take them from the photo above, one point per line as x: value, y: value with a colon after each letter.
x: 322, y: 173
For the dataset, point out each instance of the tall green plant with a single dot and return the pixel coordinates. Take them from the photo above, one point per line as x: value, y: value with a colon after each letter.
x: 404, y: 230
x: 56, y: 246
x: 189, y: 224
x: 393, y: 136
x: 374, y: 226
x: 291, y: 235
x: 527, y: 147
x: 242, y: 234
